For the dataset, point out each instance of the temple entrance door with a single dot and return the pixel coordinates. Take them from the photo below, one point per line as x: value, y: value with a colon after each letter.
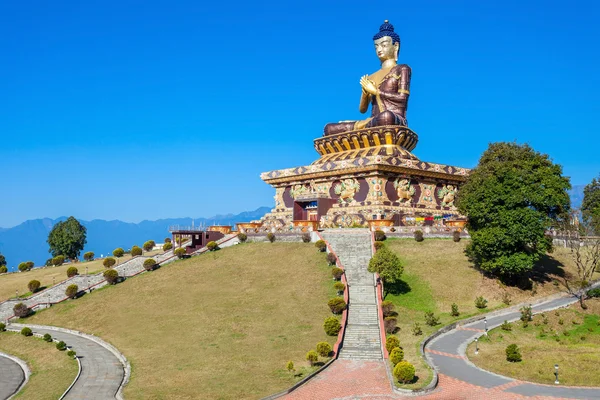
x: 313, y: 216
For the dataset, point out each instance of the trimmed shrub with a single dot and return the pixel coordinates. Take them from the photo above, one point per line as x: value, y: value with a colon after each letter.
x: 26, y: 332
x: 271, y: 237
x: 506, y: 326
x: 34, y: 286
x: 58, y: 260
x: 21, y: 310
x: 331, y: 258
x: 513, y: 354
x: 390, y: 324
x: 324, y: 349
x: 30, y: 265
x: 242, y: 237
x: 167, y: 240
x: 136, y: 251
x: 290, y: 366
x: 149, y: 264
x: 48, y: 262
x: 109, y: 262
x: 167, y: 246
x: 111, y: 276
x: 306, y: 237
x: 180, y: 252
x: 416, y: 329
x: 454, y: 310
x: 118, y: 252
x: 379, y: 245
x: 2, y: 326
x: 212, y: 246
x: 23, y: 267
x: 3, y: 269
x: 404, y: 372
x: 340, y: 287
x: 337, y: 305
x: 47, y: 337
x: 480, y: 302
x: 321, y: 245
x: 71, y: 291
x: 89, y: 256
x: 391, y: 342
x: 379, y: 235
x: 332, y: 326
x: 456, y: 236
x: 149, y: 245
x: 397, y: 355
x: 312, y: 357
x: 72, y: 271
x: 71, y: 353
x: 431, y: 319
x: 337, y: 273
x: 419, y: 236
x: 61, y: 346
x: 387, y: 307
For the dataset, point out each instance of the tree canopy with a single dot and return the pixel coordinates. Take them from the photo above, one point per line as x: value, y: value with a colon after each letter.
x: 67, y: 238
x: 387, y: 265
x: 590, y: 206
x: 2, y: 260
x: 510, y: 199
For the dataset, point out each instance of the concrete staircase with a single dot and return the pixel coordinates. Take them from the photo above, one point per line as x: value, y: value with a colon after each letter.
x: 362, y: 340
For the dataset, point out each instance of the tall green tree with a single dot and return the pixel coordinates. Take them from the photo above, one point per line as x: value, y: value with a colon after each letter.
x: 387, y: 265
x: 511, y: 198
x: 590, y: 206
x: 67, y: 238
x: 2, y: 260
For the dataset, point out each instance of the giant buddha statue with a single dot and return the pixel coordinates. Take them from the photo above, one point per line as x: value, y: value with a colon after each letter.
x: 387, y: 90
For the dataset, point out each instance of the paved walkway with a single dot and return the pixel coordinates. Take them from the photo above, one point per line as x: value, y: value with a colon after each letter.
x: 12, y: 376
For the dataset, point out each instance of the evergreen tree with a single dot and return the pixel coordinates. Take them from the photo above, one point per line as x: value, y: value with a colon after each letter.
x: 590, y: 207
x: 67, y: 238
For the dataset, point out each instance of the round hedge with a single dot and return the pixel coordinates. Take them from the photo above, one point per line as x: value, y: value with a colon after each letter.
x: 72, y: 271
x: 111, y: 276
x: 391, y: 342
x: 332, y: 326
x: 337, y: 305
x: 149, y: 264
x: 404, y: 372
x: 397, y: 355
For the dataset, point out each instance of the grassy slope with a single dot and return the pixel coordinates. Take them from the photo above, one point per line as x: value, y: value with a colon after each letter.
x: 51, y: 370
x: 222, y: 325
x: 574, y: 345
x: 437, y: 274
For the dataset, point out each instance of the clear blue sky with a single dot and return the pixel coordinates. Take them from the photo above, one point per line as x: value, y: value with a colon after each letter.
x: 139, y: 110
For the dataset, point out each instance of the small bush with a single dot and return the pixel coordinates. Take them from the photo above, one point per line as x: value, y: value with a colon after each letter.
x: 167, y: 246
x: 390, y: 324
x: 419, y: 236
x: 89, y: 256
x: 47, y: 337
x: 332, y: 326
x: 72, y: 271
x: 26, y: 332
x: 71, y: 353
x: 513, y: 354
x: 2, y: 326
x: 3, y: 269
x: 506, y: 326
x: 21, y: 310
x: 321, y: 245
x: 593, y: 292
x: 431, y: 319
x: 397, y: 355
x: 312, y: 357
x: 379, y: 235
x: 337, y: 273
x: 34, y: 285
x: 167, y: 240
x: 306, y: 237
x: 337, y: 305
x: 454, y: 310
x: 212, y: 246
x: 480, y: 302
x: 379, y: 245
x: 61, y: 346
x: 290, y: 366
x: 109, y: 262
x: 136, y: 251
x: 149, y: 245
x: 456, y: 236
x: 506, y: 299
x: 58, y: 260
x: 149, y: 264
x: 25, y: 266
x: 118, y: 252
x: 242, y: 237
x: 271, y: 237
x: 404, y: 372
x: 111, y: 276
x: 391, y: 342
x: 71, y: 291
x: 339, y: 287
x: 387, y: 307
x: 324, y: 349
x: 331, y: 258
x: 526, y: 314
x: 416, y: 329
x: 180, y: 252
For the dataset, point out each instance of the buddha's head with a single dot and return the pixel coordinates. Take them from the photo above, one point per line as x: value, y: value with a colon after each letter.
x: 387, y: 42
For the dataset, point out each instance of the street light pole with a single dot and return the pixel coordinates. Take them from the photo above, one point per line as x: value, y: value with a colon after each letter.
x: 476, y: 346
x: 485, y: 325
x: 556, y: 382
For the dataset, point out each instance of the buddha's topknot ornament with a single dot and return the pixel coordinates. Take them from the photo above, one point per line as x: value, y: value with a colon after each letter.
x: 387, y: 29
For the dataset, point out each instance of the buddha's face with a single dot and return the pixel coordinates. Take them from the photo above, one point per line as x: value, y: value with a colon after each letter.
x: 385, y: 49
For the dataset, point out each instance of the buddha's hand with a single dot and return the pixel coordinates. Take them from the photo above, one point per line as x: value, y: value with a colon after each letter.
x: 368, y: 85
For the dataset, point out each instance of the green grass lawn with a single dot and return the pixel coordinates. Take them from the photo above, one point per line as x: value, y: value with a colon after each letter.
x: 52, y: 371
x: 221, y: 326
x: 567, y: 337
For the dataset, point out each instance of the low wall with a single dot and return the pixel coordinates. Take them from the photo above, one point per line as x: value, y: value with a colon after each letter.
x: 279, y: 237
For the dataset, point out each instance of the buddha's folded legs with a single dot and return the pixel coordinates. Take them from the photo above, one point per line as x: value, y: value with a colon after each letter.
x: 333, y: 128
x: 387, y: 118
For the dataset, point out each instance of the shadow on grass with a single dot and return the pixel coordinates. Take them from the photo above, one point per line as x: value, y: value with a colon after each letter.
x: 396, y: 288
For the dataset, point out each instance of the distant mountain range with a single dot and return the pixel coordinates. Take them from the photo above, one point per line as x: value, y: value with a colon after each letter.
x: 27, y: 241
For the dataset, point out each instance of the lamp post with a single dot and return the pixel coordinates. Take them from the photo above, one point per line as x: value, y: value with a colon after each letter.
x: 476, y: 346
x: 556, y: 382
x: 485, y: 325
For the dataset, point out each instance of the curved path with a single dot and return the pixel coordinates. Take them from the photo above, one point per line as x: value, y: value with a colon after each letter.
x: 102, y: 372
x: 12, y: 376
